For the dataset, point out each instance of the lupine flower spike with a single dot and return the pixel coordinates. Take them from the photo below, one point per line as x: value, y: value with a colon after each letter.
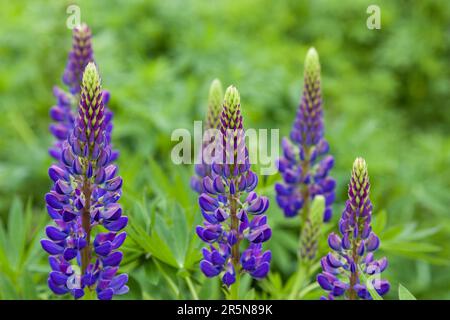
x: 84, y: 195
x: 203, y: 167
x: 305, y: 164
x: 310, y: 235
x: 64, y: 112
x: 352, y: 260
x: 233, y: 212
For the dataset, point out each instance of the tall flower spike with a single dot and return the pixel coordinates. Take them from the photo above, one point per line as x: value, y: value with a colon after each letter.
x: 79, y: 57
x: 233, y: 212
x: 84, y: 195
x: 352, y: 259
x: 64, y: 112
x: 311, y: 230
x: 212, y: 122
x: 214, y: 105
x: 305, y: 164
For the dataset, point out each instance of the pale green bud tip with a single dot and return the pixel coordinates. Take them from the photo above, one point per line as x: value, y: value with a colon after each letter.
x: 232, y: 98
x: 317, y: 209
x: 216, y: 86
x: 312, y: 64
x: 360, y: 166
x: 215, y: 93
x: 91, y: 78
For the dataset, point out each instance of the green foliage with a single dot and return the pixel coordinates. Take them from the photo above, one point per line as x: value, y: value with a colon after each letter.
x: 385, y: 93
x: 19, y: 252
x: 404, y: 294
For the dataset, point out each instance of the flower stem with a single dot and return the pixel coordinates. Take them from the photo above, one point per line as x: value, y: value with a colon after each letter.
x: 234, y: 290
x: 304, y: 216
x: 191, y: 288
x: 86, y: 224
x: 301, y: 276
x: 235, y: 254
x: 89, y: 294
x: 166, y: 277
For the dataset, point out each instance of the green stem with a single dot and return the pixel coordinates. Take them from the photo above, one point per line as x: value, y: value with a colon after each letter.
x: 89, y: 294
x: 191, y: 288
x: 234, y: 289
x: 235, y: 254
x: 304, y: 216
x: 86, y: 224
x: 301, y: 277
x: 171, y: 284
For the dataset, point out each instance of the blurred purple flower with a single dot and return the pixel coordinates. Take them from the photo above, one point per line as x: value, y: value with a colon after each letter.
x: 305, y: 164
x: 203, y: 167
x: 64, y: 112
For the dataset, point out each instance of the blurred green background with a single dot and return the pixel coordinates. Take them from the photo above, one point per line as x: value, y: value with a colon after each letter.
x: 386, y: 95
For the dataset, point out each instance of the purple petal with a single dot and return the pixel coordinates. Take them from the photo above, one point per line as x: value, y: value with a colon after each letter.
x: 116, y: 225
x: 56, y: 289
x: 119, y: 281
x: 114, y: 184
x: 113, y: 259
x: 70, y: 253
x: 104, y: 249
x: 106, y: 294
x: 208, y: 269
x: 261, y: 271
x: 118, y: 240
x: 52, y: 201
x: 55, y: 234
x: 207, y: 202
x: 228, y: 279
x: 373, y: 242
x: 58, y: 278
x: 51, y: 247
x: 324, y: 282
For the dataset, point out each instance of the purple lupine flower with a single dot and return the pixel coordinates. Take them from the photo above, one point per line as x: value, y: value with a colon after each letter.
x: 84, y: 195
x: 64, y: 112
x: 232, y: 211
x: 305, y: 164
x: 203, y: 167
x: 352, y: 259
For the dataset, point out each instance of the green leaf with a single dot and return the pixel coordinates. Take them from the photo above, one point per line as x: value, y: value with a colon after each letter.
x: 16, y: 233
x: 151, y: 272
x: 8, y: 290
x: 180, y: 234
x: 152, y: 244
x: 29, y: 288
x: 410, y: 246
x: 379, y: 222
x: 404, y: 294
x: 368, y: 281
x: 250, y: 295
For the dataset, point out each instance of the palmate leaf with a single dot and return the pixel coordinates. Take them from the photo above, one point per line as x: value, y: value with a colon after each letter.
x: 8, y: 292
x: 379, y: 222
x: 16, y: 233
x: 19, y: 251
x: 404, y: 294
x: 150, y: 244
x: 407, y: 241
x: 171, y: 184
x: 169, y: 237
